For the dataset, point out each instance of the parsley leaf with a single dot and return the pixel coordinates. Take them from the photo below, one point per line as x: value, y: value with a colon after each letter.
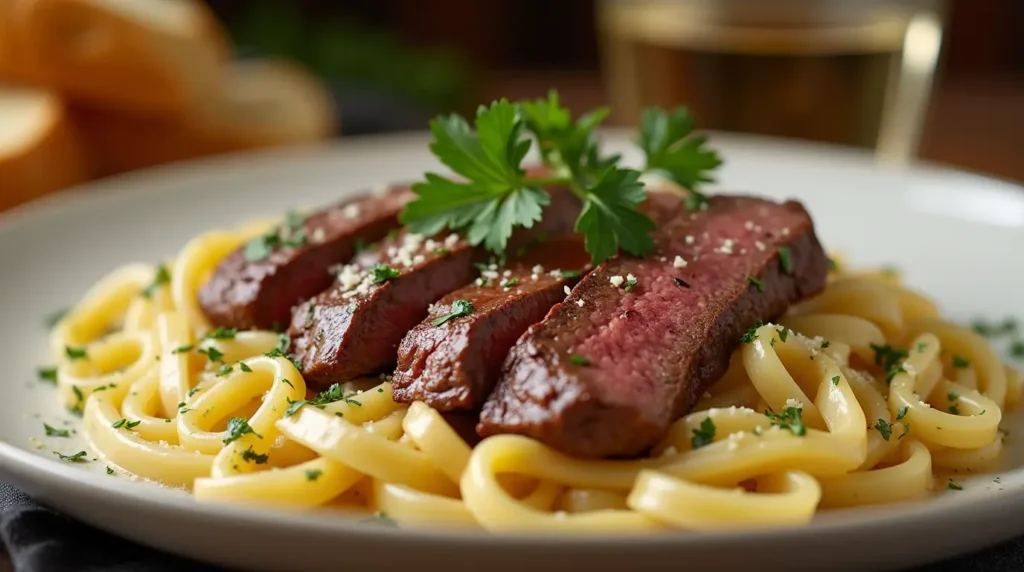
x: 754, y: 280
x: 221, y: 333
x: 579, y: 360
x: 54, y: 432
x: 884, y: 428
x: 786, y: 259
x: 329, y: 395
x: 47, y: 374
x: 78, y: 457
x: 459, y: 309
x: 703, y: 435
x: 562, y: 141
x: 609, y: 219
x: 953, y: 486
x: 238, y: 426
x: 313, y: 474
x: 75, y: 353
x: 163, y: 276
x: 960, y: 362
x: 244, y: 367
x: 382, y: 273
x: 674, y: 152
x: 212, y: 353
x: 495, y: 197
x: 835, y: 380
x: 790, y: 418
x: 251, y: 456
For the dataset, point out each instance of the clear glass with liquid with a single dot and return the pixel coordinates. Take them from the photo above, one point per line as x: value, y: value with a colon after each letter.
x: 855, y: 72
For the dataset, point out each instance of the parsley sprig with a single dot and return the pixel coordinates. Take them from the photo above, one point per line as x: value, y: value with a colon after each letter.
x: 495, y: 194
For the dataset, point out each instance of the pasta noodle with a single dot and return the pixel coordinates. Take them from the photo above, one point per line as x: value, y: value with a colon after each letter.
x: 870, y: 395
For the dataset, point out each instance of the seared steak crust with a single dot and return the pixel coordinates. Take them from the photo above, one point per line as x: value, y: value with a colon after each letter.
x: 608, y: 377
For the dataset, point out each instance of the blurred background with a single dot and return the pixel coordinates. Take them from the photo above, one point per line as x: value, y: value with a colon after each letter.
x: 92, y: 88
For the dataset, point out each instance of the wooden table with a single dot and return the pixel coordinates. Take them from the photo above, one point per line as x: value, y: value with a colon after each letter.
x: 974, y: 124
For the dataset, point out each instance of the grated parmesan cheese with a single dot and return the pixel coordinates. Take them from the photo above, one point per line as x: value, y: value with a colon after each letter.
x: 679, y: 262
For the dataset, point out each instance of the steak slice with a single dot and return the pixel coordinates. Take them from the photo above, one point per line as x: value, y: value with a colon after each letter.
x: 355, y: 326
x: 453, y: 366
x: 608, y: 378
x: 257, y: 285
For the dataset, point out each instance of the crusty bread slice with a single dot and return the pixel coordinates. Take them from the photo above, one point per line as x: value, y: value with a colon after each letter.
x: 150, y: 56
x: 261, y: 103
x: 39, y: 152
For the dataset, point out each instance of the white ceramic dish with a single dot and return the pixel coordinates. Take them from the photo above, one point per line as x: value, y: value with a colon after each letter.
x: 956, y: 236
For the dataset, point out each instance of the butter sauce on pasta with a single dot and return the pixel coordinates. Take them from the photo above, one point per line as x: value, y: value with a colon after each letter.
x: 873, y: 395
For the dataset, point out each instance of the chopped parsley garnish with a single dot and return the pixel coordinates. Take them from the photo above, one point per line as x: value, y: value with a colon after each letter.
x: 954, y: 407
x: 783, y: 334
x: 281, y: 350
x: 223, y: 370
x: 251, y: 456
x: 884, y: 428
x: 960, y: 362
x: 494, y: 194
x: 509, y: 282
x: 78, y: 457
x: 125, y: 423
x: 751, y: 334
x: 47, y: 374
x: 182, y: 349
x: 382, y: 273
x: 756, y: 282
x: 75, y: 353
x: 953, y: 486
x: 703, y: 435
x: 110, y: 471
x: 630, y: 283
x: 921, y: 346
x: 459, y: 309
x: 78, y: 394
x: 222, y: 333
x: 786, y: 259
x: 579, y: 360
x: 329, y: 395
x: 238, y: 426
x: 54, y: 432
x: 290, y: 235
x: 54, y: 318
x: 902, y: 413
x: 242, y: 366
x: 571, y: 274
x: 162, y: 277
x: 888, y: 358
x: 283, y: 380
x: 1017, y: 349
x: 313, y: 474
x: 835, y: 380
x: 193, y: 391
x: 790, y: 418
x: 952, y: 396
x: 212, y: 353
x: 1009, y: 325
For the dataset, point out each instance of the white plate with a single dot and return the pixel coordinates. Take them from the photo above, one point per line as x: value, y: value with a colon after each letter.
x: 956, y: 235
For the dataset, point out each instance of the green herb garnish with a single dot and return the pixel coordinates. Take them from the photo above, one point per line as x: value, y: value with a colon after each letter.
x: 757, y: 282
x: 579, y: 360
x: 212, y: 353
x: 75, y: 353
x: 884, y: 428
x: 47, y: 374
x: 221, y: 333
x: 495, y: 194
x: 313, y: 474
x: 78, y: 457
x: 238, y: 426
x: 54, y: 432
x: 382, y: 273
x: 703, y: 435
x: 329, y: 395
x: 162, y: 277
x: 244, y: 367
x: 790, y: 418
x: 960, y: 362
x: 954, y: 486
x: 251, y: 456
x: 835, y: 380
x: 786, y: 259
x: 459, y: 309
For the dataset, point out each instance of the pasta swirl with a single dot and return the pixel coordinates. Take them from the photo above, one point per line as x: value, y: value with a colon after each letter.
x: 858, y: 396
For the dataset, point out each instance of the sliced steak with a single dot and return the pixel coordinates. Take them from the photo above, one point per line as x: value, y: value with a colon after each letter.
x: 452, y: 366
x: 257, y: 285
x: 608, y: 378
x: 354, y: 327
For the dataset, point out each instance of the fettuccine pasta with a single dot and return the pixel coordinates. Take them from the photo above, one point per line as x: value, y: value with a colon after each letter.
x: 862, y: 395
